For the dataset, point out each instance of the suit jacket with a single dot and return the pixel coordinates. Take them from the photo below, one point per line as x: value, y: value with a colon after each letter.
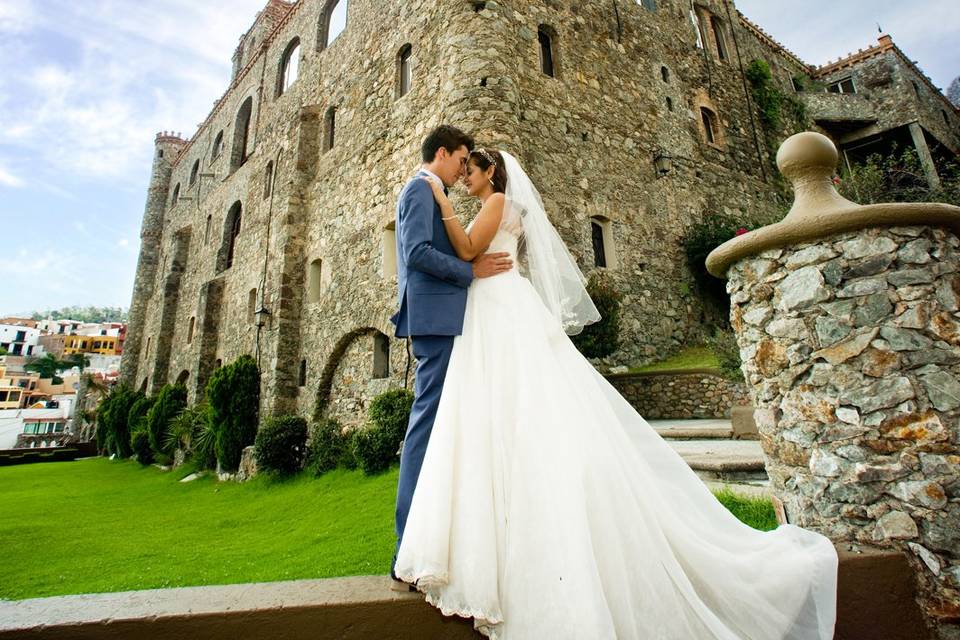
x: 431, y: 280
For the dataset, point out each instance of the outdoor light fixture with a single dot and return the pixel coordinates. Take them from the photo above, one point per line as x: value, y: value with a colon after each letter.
x: 262, y: 316
x: 662, y: 162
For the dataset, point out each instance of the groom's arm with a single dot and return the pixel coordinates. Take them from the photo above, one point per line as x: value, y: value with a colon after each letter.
x: 416, y: 239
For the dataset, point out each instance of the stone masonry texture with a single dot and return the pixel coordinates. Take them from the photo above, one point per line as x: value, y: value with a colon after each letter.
x: 310, y: 222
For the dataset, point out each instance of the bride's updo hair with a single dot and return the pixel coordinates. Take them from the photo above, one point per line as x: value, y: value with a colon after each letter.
x: 484, y: 159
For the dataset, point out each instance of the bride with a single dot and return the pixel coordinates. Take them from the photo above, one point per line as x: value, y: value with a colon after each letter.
x: 546, y: 506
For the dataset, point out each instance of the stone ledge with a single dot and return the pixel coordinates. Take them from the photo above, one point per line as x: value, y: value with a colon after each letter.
x: 338, y: 608
x: 875, y: 595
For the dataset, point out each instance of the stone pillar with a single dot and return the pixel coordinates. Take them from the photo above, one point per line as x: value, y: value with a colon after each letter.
x: 850, y: 341
x: 923, y: 152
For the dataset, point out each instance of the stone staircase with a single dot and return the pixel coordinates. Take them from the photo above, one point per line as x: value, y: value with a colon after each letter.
x: 709, y: 447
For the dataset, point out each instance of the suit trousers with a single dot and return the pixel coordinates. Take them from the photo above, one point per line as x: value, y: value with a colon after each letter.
x: 433, y: 356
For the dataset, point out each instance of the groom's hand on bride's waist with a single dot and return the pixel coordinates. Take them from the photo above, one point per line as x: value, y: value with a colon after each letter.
x: 490, y: 264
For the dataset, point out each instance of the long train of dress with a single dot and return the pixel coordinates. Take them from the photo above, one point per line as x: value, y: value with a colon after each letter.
x: 547, y: 507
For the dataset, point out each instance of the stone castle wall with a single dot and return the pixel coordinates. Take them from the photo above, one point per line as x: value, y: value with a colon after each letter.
x: 587, y: 137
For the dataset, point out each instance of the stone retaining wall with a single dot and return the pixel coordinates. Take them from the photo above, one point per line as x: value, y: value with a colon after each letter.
x: 688, y: 394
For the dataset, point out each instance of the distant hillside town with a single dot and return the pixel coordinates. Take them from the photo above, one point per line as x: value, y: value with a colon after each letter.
x: 48, y: 368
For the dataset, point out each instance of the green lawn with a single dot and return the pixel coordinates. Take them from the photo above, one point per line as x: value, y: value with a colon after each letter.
x: 97, y: 525
x: 689, y: 358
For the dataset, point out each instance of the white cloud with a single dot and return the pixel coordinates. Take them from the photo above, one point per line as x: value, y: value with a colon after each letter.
x: 7, y: 179
x: 95, y: 81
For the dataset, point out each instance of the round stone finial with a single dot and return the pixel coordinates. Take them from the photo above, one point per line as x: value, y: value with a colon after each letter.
x: 807, y: 154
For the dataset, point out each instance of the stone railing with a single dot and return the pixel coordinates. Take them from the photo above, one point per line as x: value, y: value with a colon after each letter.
x: 680, y: 394
x: 847, y: 320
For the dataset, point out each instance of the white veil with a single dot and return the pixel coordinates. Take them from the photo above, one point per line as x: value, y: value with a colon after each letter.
x: 551, y: 268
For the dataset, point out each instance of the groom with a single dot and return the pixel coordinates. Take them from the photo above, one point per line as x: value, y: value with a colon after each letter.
x: 432, y: 284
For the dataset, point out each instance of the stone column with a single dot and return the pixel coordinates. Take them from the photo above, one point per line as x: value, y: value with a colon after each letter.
x: 923, y: 152
x: 850, y: 341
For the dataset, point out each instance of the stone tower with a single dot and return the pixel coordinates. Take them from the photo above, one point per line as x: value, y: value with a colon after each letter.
x: 634, y: 119
x: 167, y: 147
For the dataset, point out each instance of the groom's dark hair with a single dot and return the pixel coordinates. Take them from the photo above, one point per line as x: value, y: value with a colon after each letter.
x: 450, y: 138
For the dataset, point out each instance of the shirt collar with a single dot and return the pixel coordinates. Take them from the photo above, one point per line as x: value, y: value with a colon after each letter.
x: 435, y: 177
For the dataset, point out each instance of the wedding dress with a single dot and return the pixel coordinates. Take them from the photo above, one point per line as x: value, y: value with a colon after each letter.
x: 547, y: 507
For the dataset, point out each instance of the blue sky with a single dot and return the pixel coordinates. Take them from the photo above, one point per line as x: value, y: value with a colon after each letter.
x: 86, y: 84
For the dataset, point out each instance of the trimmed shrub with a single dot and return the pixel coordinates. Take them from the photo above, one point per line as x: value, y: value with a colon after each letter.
x: 233, y: 394
x: 137, y: 416
x: 113, y: 431
x: 600, y: 339
x: 377, y: 446
x: 140, y: 443
x: 170, y: 401
x: 329, y: 448
x: 280, y: 444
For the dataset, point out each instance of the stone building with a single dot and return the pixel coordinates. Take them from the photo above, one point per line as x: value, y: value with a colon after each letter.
x: 270, y: 230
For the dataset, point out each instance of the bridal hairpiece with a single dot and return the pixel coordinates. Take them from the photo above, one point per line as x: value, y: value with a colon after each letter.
x: 486, y: 155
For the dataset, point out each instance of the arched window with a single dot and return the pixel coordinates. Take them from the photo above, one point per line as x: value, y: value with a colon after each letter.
x: 381, y: 355
x: 545, y: 35
x: 315, y: 282
x: 206, y: 229
x: 946, y: 118
x: 717, y: 27
x: 404, y: 70
x: 388, y: 244
x: 302, y: 378
x: 665, y: 74
x: 182, y: 378
x: 601, y: 237
x: 333, y: 20
x: 143, y: 385
x: 289, y: 66
x: 194, y: 171
x: 190, y: 330
x: 231, y: 229
x: 146, y: 352
x: 176, y: 195
x: 241, y: 135
x: 329, y: 128
x: 268, y: 180
x: 669, y: 103
x: 217, y: 146
x: 709, y: 120
x: 251, y: 305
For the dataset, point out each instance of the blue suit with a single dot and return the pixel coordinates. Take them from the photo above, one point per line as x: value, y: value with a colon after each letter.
x: 432, y: 286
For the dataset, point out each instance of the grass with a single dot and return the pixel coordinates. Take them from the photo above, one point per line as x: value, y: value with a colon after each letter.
x: 96, y: 525
x: 756, y: 512
x: 689, y: 358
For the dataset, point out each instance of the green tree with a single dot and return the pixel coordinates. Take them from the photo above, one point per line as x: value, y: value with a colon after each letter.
x: 49, y: 366
x: 171, y: 400
x: 233, y: 395
x: 112, y: 427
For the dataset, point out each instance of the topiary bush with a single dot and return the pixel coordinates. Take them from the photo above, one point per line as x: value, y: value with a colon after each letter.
x: 280, y: 444
x: 600, y: 339
x: 233, y: 394
x: 137, y: 415
x: 170, y: 401
x: 376, y: 447
x: 329, y: 448
x: 140, y: 443
x: 113, y: 430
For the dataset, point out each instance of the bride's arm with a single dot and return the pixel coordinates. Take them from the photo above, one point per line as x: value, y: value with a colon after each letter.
x: 470, y: 245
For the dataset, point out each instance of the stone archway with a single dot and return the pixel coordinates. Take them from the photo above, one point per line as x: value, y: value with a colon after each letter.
x: 357, y: 368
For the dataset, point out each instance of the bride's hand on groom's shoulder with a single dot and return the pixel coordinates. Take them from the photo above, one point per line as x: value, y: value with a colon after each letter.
x: 437, y: 189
